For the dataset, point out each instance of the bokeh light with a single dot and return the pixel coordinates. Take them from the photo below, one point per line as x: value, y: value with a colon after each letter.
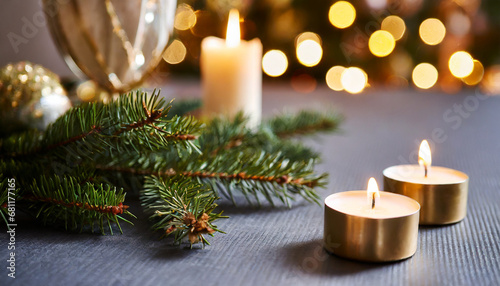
x: 476, y: 75
x: 432, y: 31
x: 309, y: 53
x: 185, y: 18
x: 307, y: 36
x: 354, y: 80
x: 175, y: 53
x: 401, y: 63
x: 87, y: 91
x: 381, y: 43
x: 274, y: 63
x: 333, y: 78
x: 342, y: 14
x: 377, y: 4
x: 394, y: 25
x: 303, y: 83
x: 491, y: 81
x: 461, y: 64
x: 425, y: 75
x: 458, y: 24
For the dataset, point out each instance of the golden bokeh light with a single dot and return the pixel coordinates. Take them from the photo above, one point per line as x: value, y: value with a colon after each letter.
x: 175, y: 53
x: 333, y: 78
x: 87, y: 91
x: 309, y: 53
x: 432, y: 31
x: 476, y: 75
x: 394, y: 25
x: 401, y: 63
x: 307, y: 36
x: 274, y: 63
x: 424, y: 75
x: 461, y: 64
x: 342, y: 14
x: 354, y: 80
x: 185, y: 18
x: 381, y: 43
x: 491, y: 81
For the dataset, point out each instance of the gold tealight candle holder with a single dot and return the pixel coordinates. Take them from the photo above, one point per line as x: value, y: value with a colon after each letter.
x: 441, y: 192
x: 371, y: 226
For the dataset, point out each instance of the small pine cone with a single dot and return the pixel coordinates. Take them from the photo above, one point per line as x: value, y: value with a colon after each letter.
x: 189, y: 219
x: 193, y: 237
x: 204, y: 217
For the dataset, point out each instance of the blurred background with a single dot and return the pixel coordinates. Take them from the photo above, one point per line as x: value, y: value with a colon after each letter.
x: 446, y: 45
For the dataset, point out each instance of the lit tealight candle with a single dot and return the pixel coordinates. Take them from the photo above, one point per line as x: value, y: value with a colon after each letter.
x: 441, y: 192
x: 371, y: 225
x: 231, y: 74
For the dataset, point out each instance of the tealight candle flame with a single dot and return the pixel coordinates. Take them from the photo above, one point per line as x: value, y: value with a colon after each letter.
x: 233, y: 29
x: 372, y: 191
x: 424, y: 156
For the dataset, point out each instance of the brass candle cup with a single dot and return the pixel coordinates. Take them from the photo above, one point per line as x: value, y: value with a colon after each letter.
x: 371, y: 239
x: 441, y: 203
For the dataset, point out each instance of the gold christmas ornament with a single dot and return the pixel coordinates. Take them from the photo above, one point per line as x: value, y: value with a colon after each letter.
x: 31, y: 96
x: 114, y: 43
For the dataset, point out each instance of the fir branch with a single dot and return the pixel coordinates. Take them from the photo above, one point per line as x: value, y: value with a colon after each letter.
x: 246, y: 171
x: 73, y: 127
x: 285, y: 179
x: 303, y: 123
x: 221, y: 135
x: 180, y: 207
x: 137, y: 136
x: 118, y: 209
x: 20, y: 145
x: 75, y: 204
x: 120, y: 126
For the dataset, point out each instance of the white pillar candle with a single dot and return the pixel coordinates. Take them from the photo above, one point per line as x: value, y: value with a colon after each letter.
x: 441, y: 192
x: 231, y: 74
x: 371, y: 225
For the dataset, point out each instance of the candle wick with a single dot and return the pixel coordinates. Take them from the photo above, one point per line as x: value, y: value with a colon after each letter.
x: 425, y: 170
x: 373, y: 200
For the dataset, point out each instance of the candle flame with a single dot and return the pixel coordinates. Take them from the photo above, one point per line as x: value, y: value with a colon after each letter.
x: 424, y: 156
x: 233, y: 29
x: 372, y: 192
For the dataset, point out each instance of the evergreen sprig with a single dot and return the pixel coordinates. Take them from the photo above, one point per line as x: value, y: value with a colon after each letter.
x: 180, y: 207
x: 120, y: 126
x: 180, y: 165
x: 76, y: 203
x: 305, y: 122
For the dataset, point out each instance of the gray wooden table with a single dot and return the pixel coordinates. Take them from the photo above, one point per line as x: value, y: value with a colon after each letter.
x: 283, y: 247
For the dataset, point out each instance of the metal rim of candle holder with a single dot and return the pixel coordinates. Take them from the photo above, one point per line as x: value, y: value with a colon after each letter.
x: 370, y: 239
x: 441, y: 204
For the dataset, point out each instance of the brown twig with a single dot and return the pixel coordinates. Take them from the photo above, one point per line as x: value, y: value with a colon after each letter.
x: 281, y: 180
x: 95, y: 129
x: 180, y: 137
x: 119, y: 209
x: 151, y: 118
